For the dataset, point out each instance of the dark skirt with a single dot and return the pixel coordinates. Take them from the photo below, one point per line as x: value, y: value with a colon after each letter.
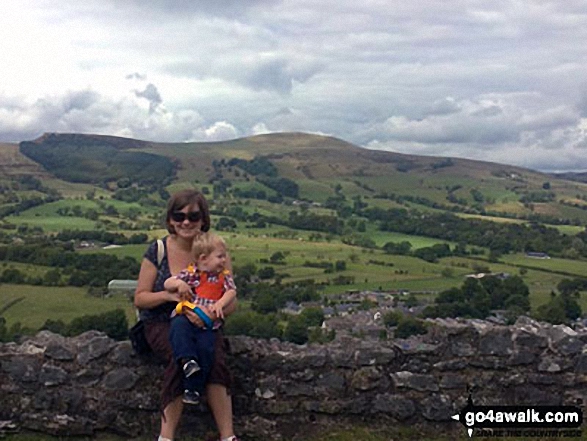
x: 157, y: 333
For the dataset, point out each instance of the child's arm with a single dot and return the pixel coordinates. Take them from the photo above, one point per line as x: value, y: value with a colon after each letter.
x: 175, y: 284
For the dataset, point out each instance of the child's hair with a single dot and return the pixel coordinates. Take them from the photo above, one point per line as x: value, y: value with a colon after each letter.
x: 206, y: 243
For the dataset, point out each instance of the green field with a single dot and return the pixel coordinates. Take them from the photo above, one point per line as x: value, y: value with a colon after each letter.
x: 52, y: 224
x: 572, y: 267
x: 321, y: 167
x: 540, y: 281
x: 40, y: 303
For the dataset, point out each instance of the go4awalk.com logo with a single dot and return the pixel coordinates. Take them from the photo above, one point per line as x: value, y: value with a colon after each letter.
x: 521, y: 421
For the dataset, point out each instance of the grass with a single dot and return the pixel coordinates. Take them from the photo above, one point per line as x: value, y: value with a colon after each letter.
x: 573, y: 267
x: 40, y: 303
x: 406, y: 273
x: 53, y: 223
x: 371, y: 270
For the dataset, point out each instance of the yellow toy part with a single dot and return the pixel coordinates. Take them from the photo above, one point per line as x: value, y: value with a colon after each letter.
x: 180, y: 305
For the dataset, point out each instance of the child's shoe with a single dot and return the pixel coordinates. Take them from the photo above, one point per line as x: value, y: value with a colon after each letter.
x: 190, y: 367
x: 191, y: 397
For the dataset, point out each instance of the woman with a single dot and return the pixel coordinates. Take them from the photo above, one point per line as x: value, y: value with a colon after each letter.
x: 187, y: 216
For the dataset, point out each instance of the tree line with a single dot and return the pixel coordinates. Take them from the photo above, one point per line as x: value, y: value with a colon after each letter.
x: 68, y: 267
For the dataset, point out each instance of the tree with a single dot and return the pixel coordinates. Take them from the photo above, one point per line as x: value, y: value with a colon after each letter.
x: 410, y: 326
x: 296, y: 330
x: 312, y: 316
x: 392, y: 318
x: 267, y: 272
x: 113, y: 323
x: 401, y: 248
x: 277, y: 258
x: 12, y: 275
x: 225, y: 224
x: 552, y: 312
x: 560, y: 309
x: 52, y: 278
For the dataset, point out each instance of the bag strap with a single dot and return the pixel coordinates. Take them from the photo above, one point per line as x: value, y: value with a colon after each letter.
x: 160, y: 255
x: 160, y: 252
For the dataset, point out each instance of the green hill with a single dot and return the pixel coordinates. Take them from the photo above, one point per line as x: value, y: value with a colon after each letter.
x: 98, y: 159
x: 320, y: 166
x: 294, y: 206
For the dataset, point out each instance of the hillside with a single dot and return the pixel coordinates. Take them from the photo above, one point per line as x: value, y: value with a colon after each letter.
x: 317, y: 164
x: 294, y: 207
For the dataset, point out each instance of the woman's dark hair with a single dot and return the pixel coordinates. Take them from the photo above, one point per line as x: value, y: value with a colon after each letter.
x: 184, y: 198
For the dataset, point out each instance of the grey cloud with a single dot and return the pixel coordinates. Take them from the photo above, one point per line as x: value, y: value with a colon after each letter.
x: 270, y: 75
x: 274, y: 74
x: 459, y: 130
x: 136, y: 76
x: 488, y: 111
x: 79, y: 100
x: 278, y: 74
x: 152, y: 95
x: 442, y: 107
x: 582, y: 105
x: 183, y: 8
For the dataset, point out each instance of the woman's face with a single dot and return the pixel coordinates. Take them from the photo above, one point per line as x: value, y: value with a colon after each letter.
x: 187, y: 222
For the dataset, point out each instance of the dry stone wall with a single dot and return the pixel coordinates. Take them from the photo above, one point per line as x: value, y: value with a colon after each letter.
x: 91, y: 384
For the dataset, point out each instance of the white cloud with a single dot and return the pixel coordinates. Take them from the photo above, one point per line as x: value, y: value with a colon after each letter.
x: 218, y: 131
x: 499, y: 79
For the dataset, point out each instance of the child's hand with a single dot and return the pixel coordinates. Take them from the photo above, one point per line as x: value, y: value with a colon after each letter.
x: 184, y: 291
x: 216, y: 309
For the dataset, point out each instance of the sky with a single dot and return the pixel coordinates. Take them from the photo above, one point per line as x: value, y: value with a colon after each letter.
x: 495, y: 80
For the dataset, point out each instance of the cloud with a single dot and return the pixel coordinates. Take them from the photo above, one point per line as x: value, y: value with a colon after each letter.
x: 136, y: 76
x: 499, y: 80
x: 219, y: 131
x: 89, y: 112
x: 260, y: 129
x: 183, y: 8
x: 151, y: 94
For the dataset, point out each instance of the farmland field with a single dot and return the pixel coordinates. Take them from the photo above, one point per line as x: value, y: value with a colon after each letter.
x: 318, y: 169
x: 573, y: 267
x: 40, y: 303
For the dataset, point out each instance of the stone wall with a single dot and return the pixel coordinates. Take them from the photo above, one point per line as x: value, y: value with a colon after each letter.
x: 91, y: 384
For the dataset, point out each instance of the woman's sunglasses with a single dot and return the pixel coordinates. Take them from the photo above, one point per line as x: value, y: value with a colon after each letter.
x: 192, y: 216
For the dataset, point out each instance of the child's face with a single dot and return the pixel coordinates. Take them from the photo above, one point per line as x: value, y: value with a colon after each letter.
x: 213, y: 262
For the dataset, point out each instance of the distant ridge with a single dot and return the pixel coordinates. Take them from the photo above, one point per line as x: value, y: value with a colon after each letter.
x: 321, y: 167
x: 278, y: 142
x: 572, y: 176
x: 97, y: 159
x: 88, y: 140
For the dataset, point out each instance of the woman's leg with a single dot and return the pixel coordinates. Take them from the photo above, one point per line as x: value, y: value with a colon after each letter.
x: 220, y: 404
x: 219, y: 399
x: 157, y: 334
x: 170, y: 418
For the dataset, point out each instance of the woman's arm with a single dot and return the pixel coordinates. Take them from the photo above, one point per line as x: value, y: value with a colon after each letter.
x: 145, y: 298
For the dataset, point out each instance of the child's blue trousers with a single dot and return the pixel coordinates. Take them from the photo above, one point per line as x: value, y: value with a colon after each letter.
x: 190, y: 342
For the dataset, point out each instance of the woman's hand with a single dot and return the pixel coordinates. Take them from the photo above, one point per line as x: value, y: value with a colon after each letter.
x: 194, y: 319
x: 172, y: 296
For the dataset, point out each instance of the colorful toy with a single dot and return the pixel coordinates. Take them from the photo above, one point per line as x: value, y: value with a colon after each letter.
x: 208, y: 322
